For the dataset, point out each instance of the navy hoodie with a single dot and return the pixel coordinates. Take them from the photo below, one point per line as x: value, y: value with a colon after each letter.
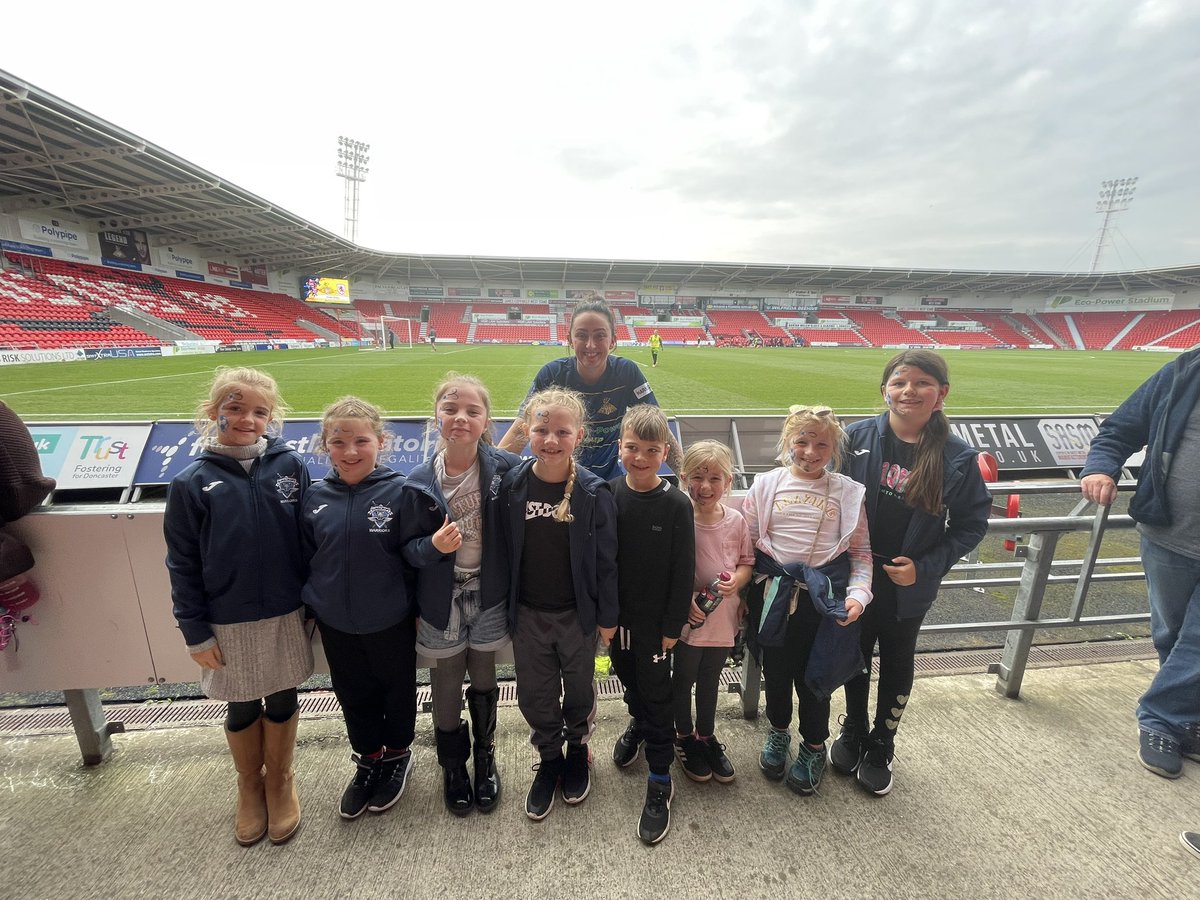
x: 233, y: 540
x: 358, y: 581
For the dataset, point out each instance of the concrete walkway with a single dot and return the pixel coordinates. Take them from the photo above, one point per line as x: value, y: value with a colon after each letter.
x: 1041, y: 797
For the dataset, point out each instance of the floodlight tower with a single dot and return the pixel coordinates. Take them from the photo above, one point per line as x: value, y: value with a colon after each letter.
x: 1115, y: 197
x: 352, y: 166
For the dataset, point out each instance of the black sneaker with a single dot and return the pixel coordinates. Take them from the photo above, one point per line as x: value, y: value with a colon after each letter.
x: 358, y: 793
x: 718, y: 762
x: 846, y: 752
x: 394, y: 769
x: 875, y: 769
x: 577, y: 773
x: 1161, y: 755
x: 540, y: 799
x: 655, y: 821
x: 692, y: 759
x: 625, y: 751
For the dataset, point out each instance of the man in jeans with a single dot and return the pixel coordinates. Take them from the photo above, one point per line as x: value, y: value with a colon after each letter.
x: 1164, y: 416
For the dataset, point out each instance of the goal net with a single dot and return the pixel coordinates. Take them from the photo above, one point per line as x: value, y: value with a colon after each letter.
x: 392, y: 332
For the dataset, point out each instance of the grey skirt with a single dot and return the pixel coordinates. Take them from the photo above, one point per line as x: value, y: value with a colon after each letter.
x: 261, y: 658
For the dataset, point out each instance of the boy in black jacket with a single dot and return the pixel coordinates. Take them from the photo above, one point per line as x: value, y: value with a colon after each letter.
x: 656, y: 561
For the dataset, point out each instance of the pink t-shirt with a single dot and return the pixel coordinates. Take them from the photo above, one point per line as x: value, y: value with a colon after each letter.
x: 719, y: 548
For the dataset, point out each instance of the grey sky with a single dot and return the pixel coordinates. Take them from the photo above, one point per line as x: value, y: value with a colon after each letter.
x: 930, y: 134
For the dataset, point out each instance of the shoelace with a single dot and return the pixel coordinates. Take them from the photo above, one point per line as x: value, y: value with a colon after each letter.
x: 777, y: 742
x: 813, y: 762
x: 1161, y: 744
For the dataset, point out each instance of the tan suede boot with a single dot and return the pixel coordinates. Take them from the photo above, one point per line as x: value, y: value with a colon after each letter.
x: 283, y: 805
x: 246, y: 745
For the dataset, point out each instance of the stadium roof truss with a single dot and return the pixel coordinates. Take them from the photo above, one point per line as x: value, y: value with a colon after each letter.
x: 55, y: 157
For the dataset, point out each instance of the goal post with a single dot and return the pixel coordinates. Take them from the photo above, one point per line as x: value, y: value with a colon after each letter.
x: 395, y: 331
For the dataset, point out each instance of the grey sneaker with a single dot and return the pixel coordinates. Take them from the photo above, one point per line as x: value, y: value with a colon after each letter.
x: 1191, y: 841
x: 1161, y: 755
x: 774, y: 756
x: 846, y: 752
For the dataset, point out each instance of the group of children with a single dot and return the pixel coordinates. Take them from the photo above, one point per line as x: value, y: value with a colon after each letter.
x: 479, y: 546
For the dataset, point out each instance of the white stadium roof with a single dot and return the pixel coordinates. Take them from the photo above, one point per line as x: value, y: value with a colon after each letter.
x: 55, y: 157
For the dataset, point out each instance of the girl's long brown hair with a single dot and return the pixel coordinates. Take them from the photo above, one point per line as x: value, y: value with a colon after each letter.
x: 925, y: 485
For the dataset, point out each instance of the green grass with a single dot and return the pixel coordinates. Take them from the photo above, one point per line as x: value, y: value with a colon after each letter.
x: 691, y: 381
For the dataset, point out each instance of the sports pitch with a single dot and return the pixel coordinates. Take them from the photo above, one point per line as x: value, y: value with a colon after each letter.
x: 687, y: 381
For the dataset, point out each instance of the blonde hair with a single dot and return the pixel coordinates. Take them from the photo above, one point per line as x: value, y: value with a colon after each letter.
x: 350, y: 408
x: 226, y: 381
x: 649, y: 423
x: 811, y: 418
x: 453, y: 378
x: 704, y: 454
x: 572, y: 402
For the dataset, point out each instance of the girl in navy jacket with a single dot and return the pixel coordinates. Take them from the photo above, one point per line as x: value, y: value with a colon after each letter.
x: 451, y: 538
x: 561, y: 540
x: 358, y: 590
x: 236, y: 568
x: 927, y: 505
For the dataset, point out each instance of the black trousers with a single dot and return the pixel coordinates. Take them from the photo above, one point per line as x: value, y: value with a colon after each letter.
x: 375, y: 679
x: 783, y: 672
x: 645, y: 671
x: 897, y: 639
x: 699, y: 666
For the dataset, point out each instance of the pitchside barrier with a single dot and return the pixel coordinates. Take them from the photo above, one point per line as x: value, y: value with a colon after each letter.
x: 105, y: 620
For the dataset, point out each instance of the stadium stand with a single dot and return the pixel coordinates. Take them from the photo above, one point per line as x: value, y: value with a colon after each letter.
x: 968, y: 339
x: 1004, y: 330
x: 1159, y: 328
x: 882, y: 331
x: 37, y: 315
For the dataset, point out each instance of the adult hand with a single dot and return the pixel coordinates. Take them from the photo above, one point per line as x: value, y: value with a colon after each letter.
x: 210, y: 658
x: 1099, y: 488
x: 902, y: 571
x: 854, y: 609
x: 668, y: 643
x: 447, y: 539
x: 607, y: 634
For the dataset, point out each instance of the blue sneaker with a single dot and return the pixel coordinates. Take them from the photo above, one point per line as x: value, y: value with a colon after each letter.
x: 774, y: 757
x: 1190, y: 745
x: 804, y: 777
x: 1161, y: 755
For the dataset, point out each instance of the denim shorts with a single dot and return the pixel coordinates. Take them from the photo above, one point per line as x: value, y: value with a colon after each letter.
x: 469, y: 626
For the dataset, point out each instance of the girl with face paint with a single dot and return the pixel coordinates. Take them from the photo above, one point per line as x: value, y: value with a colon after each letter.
x: 927, y: 506
x: 723, y: 547
x: 452, y: 541
x: 236, y: 566
x: 804, y: 514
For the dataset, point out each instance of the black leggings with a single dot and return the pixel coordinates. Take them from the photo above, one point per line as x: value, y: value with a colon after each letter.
x: 699, y: 666
x: 897, y: 651
x: 281, y: 706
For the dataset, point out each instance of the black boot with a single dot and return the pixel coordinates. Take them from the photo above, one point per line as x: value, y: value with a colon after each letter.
x: 453, y: 748
x: 482, y: 707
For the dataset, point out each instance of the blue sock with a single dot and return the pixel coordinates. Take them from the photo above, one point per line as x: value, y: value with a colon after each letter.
x: 660, y: 779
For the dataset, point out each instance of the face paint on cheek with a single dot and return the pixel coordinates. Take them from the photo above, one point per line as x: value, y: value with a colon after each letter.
x: 222, y: 423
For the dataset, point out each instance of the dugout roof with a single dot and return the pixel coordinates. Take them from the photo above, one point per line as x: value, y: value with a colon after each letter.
x: 55, y: 157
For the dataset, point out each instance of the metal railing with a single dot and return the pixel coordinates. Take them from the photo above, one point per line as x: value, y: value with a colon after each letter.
x: 1036, y: 569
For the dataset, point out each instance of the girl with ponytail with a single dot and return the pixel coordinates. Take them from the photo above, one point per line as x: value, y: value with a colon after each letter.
x: 927, y: 506
x: 561, y: 536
